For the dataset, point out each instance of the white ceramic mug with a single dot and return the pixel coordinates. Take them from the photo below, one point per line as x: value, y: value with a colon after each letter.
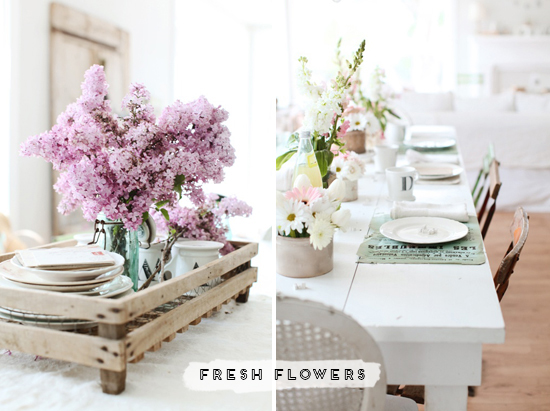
x: 149, y: 260
x: 400, y: 183
x: 192, y: 254
x: 385, y: 156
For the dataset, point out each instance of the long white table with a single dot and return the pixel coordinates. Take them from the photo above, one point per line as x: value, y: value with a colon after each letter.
x: 430, y: 320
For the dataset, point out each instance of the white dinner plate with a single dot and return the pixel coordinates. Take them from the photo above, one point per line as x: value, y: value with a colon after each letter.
x: 430, y: 143
x: 14, y: 273
x: 71, y: 275
x: 437, y: 171
x: 423, y: 230
x: 58, y: 323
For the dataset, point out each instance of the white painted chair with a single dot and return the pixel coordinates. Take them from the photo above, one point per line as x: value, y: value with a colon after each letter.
x: 308, y: 331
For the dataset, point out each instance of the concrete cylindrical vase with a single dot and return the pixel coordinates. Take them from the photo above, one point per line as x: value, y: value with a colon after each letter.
x: 351, y: 190
x: 355, y: 141
x: 297, y: 258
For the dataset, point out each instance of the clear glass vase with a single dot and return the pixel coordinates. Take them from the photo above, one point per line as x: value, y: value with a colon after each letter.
x: 124, y: 242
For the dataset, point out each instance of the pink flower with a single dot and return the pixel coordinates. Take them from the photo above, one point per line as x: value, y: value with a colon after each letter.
x: 305, y: 195
x: 121, y: 166
x: 343, y: 129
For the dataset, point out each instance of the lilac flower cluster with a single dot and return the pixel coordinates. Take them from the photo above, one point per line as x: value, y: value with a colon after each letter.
x: 205, y: 222
x: 121, y: 166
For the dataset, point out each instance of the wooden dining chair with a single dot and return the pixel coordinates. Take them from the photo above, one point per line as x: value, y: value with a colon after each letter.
x: 519, y: 229
x: 491, y: 189
x: 483, y: 174
x: 309, y: 331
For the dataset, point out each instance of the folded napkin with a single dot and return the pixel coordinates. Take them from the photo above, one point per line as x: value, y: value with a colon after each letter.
x: 414, y: 156
x: 403, y: 209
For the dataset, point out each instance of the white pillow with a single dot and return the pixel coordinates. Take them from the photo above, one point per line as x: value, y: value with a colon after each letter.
x: 491, y: 104
x: 532, y: 103
x: 412, y: 102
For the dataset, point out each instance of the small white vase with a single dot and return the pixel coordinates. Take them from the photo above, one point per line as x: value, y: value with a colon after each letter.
x: 296, y: 258
x: 351, y: 190
x: 193, y: 254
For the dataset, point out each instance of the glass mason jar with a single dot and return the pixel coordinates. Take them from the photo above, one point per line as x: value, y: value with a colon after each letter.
x: 124, y: 242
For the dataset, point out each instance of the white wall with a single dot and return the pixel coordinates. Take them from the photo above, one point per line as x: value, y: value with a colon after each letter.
x: 151, y: 28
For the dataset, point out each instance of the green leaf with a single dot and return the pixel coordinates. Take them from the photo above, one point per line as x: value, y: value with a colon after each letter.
x: 179, y: 180
x: 145, y: 216
x: 322, y: 162
x: 392, y: 113
x: 283, y: 158
x: 165, y: 213
x: 161, y: 204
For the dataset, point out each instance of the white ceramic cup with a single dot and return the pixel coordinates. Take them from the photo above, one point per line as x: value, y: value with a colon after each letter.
x: 149, y: 259
x: 400, y: 183
x: 192, y: 254
x: 385, y: 155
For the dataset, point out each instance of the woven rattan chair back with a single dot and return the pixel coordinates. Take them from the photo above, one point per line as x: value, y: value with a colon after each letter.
x: 308, y: 331
x: 489, y: 205
x: 519, y: 229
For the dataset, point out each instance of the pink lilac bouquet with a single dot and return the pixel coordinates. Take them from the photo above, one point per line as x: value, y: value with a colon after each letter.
x: 121, y: 166
x: 205, y: 222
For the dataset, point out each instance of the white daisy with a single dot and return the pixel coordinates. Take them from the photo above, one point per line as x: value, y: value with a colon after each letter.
x: 292, y: 215
x: 320, y: 232
x: 357, y: 121
x: 338, y: 165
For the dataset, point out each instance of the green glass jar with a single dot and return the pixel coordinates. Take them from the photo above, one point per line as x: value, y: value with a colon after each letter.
x: 122, y: 241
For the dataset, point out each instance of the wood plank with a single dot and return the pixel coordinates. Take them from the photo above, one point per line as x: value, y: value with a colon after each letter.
x: 113, y: 382
x: 76, y: 23
x: 168, y: 290
x: 83, y: 349
x: 144, y: 337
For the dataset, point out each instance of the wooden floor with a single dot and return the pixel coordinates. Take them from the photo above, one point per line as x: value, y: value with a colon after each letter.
x: 516, y: 375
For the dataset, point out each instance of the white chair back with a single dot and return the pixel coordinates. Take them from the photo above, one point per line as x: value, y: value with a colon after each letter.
x: 309, y: 331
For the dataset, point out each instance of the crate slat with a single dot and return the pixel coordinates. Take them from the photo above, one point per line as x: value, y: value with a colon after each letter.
x: 142, y: 338
x: 91, y: 351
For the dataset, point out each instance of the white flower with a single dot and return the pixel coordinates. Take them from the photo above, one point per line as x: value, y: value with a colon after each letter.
x: 357, y: 121
x: 337, y: 190
x: 302, y: 181
x: 338, y: 165
x: 352, y: 171
x: 341, y: 219
x: 292, y: 215
x: 321, y: 232
x: 323, y: 208
x: 373, y: 125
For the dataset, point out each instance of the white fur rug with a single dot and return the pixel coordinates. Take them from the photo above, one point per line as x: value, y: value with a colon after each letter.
x: 237, y: 332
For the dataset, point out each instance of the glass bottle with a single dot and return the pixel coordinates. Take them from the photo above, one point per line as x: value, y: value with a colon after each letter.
x: 306, y: 162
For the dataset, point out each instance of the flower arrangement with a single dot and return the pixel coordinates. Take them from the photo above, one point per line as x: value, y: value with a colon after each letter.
x: 307, y: 211
x: 121, y: 166
x: 204, y: 222
x: 323, y: 112
x: 348, y: 166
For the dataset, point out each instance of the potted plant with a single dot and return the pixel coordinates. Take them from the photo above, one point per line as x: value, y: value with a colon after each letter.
x: 118, y: 167
x: 323, y: 113
x: 349, y: 168
x: 307, y: 218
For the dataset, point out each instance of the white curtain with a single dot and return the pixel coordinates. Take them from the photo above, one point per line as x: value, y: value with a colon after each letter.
x: 4, y: 105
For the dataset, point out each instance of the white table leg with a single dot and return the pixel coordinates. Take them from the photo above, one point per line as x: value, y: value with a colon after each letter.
x: 446, y: 398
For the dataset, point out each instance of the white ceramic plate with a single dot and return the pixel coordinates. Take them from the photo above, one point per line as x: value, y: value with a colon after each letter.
x: 57, y: 323
x: 14, y: 273
x: 423, y: 230
x: 437, y: 171
x: 71, y: 275
x: 430, y: 143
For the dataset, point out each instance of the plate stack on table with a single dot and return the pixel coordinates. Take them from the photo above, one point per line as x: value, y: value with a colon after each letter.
x: 88, y: 271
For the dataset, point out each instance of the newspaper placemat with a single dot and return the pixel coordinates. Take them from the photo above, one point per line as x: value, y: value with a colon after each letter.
x: 377, y: 249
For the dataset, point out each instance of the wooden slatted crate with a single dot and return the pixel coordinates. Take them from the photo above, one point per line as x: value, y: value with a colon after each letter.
x: 129, y: 326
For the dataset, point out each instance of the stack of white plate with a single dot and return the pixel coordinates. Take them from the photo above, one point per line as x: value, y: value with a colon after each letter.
x: 104, y: 282
x: 438, y: 172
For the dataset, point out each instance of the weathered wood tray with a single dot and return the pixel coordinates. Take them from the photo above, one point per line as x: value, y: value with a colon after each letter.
x: 129, y: 326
